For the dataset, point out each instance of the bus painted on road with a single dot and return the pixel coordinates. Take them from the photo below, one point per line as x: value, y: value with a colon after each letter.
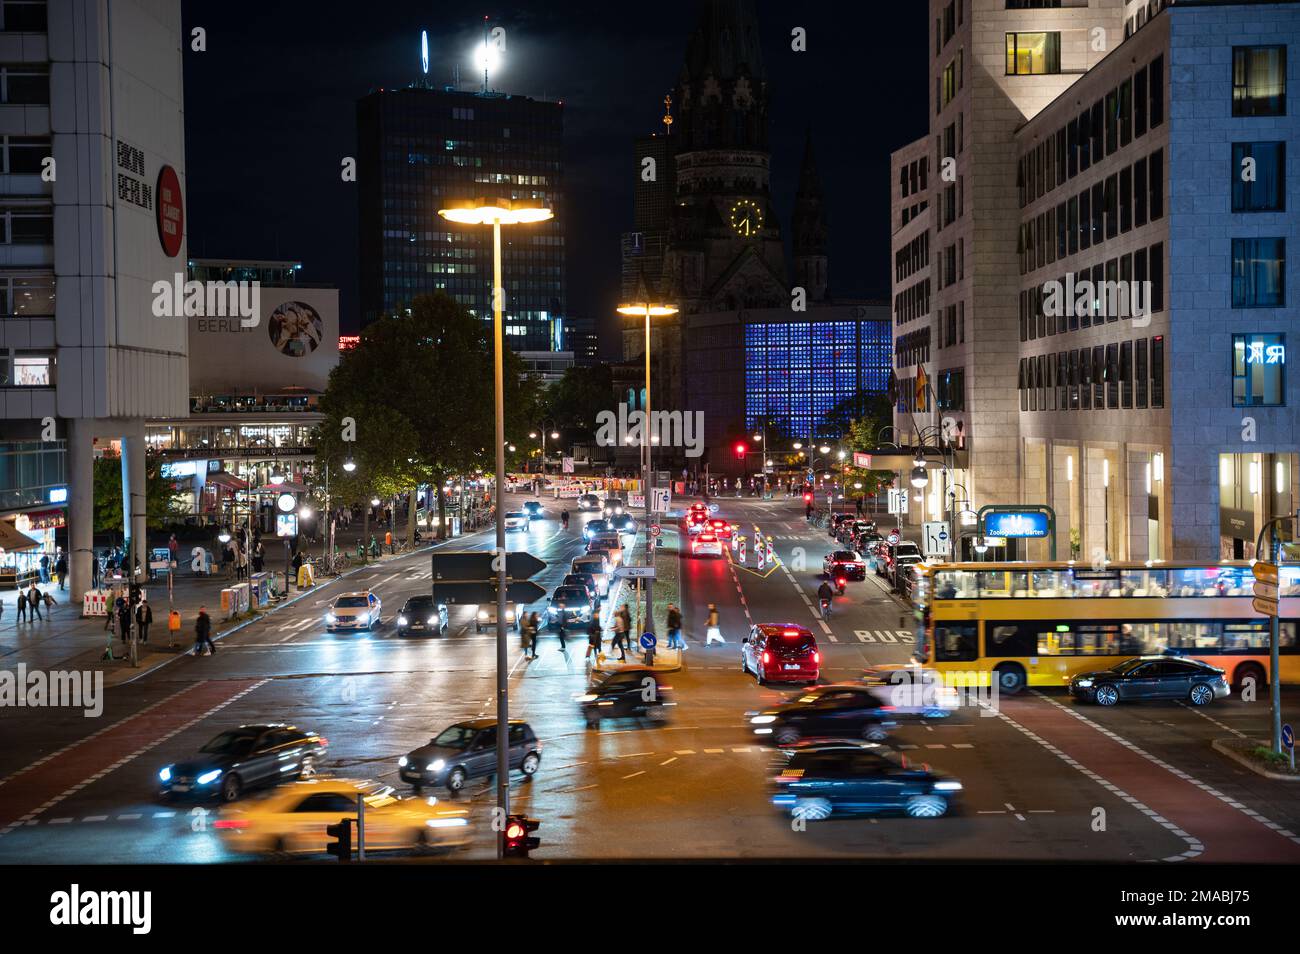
x: 1039, y: 624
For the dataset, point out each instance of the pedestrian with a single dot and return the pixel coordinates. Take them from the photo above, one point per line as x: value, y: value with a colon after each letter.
x: 526, y: 634
x: 620, y: 637
x: 593, y: 638
x: 259, y: 557
x: 50, y: 601
x: 94, y: 570
x: 858, y: 501
x: 173, y: 549
x: 243, y: 562
x: 203, y: 632
x: 143, y: 619
x: 22, y: 607
x: 711, y: 629
x: 559, y: 627
x: 123, y: 619
x: 45, y: 568
x: 34, y: 603
x: 675, y: 640
x: 61, y: 569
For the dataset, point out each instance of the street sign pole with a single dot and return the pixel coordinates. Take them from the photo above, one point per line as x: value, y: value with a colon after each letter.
x: 503, y: 702
x: 1275, y: 624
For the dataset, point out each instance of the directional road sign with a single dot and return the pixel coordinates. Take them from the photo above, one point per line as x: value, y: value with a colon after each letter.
x: 1267, y: 607
x: 473, y: 592
x: 1265, y: 572
x: 635, y: 572
x: 1266, y: 591
x: 1288, y: 736
x: 648, y: 640
x: 465, y: 565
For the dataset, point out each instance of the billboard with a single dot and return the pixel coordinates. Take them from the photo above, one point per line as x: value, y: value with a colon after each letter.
x: 293, y: 345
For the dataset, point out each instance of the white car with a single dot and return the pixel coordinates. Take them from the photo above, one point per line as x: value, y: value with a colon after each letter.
x: 517, y: 520
x: 486, y: 615
x: 354, y: 611
x: 706, y: 544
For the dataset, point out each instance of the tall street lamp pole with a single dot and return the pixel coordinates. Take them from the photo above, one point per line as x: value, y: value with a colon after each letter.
x: 649, y: 310
x: 498, y: 212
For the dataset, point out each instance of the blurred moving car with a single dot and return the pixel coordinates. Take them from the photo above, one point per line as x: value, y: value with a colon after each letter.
x: 594, y: 527
x: 360, y: 610
x: 486, y: 615
x: 295, y: 818
x: 597, y: 567
x: 821, y: 779
x: 780, y: 652
x: 614, y: 506
x: 420, y: 614
x: 623, y: 523
x: 468, y: 750
x: 721, y: 528
x: 589, y: 502
x: 586, y: 581
x: 1152, y: 677
x: 608, y: 543
x: 535, y: 509
x: 844, y: 564
x: 697, y: 518
x: 246, y: 757
x: 706, y: 544
x: 517, y: 520
x: 842, y: 711
x: 636, y: 693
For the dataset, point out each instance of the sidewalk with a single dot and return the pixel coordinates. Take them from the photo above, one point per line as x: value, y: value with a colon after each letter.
x: 65, y: 640
x: 666, y: 590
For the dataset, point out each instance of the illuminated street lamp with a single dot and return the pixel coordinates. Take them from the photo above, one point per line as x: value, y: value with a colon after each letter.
x: 650, y: 310
x: 920, y: 477
x: 497, y: 212
x: 349, y: 465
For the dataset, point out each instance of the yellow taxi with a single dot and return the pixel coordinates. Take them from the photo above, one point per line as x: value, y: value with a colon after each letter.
x: 293, y: 818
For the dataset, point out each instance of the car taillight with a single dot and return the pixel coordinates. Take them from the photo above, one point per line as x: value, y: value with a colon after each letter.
x: 817, y: 657
x: 324, y: 741
x: 229, y: 823
x: 841, y: 581
x: 767, y: 657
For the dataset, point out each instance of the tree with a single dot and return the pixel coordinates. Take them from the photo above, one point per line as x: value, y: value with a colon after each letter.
x: 419, y: 387
x: 862, y: 434
x: 162, y: 506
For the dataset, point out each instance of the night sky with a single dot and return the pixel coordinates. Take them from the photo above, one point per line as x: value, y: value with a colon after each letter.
x: 270, y: 113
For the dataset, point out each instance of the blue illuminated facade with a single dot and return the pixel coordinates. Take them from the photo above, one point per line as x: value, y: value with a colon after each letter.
x: 798, y: 371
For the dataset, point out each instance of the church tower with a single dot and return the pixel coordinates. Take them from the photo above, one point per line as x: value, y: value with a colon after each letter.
x: 810, y: 261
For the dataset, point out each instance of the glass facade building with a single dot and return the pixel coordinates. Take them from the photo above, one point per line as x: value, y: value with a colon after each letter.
x: 798, y: 371
x: 420, y: 149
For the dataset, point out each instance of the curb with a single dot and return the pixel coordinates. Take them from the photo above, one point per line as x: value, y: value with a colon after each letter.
x: 275, y: 609
x: 1222, y: 747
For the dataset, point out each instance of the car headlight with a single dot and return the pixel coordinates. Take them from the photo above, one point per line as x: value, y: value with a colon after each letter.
x: 401, y: 763
x: 331, y: 618
x: 432, y: 620
x: 482, y: 614
x: 589, y: 697
x: 208, y: 777
x: 948, y: 786
x: 165, y: 774
x: 763, y: 719
x: 401, y: 621
x: 435, y: 766
x: 1083, y: 683
x: 457, y: 822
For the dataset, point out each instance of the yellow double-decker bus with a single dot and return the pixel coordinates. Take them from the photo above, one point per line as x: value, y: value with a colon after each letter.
x: 1039, y: 624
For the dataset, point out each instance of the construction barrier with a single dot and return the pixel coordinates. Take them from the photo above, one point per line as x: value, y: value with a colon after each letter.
x: 95, y: 602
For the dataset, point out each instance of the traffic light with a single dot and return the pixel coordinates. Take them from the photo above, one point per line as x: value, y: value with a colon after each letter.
x: 341, y: 849
x: 807, y: 497
x: 518, y: 840
x: 740, y: 450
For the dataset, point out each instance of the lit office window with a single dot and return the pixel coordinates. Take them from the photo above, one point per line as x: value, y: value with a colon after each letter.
x: 1258, y: 370
x: 1259, y: 81
x: 1257, y: 272
x: 1258, y: 176
x: 1033, y: 54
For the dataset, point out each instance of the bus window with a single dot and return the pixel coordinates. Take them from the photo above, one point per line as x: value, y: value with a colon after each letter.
x: 1201, y: 581
x: 1286, y: 638
x: 1011, y: 639
x: 1144, y: 583
x: 1251, y: 636
x: 992, y: 583
x: 956, y: 643
x: 1187, y: 636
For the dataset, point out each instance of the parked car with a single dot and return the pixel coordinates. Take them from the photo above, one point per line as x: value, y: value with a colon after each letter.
x: 1152, y: 677
x: 250, y: 756
x: 468, y: 750
x: 420, y: 614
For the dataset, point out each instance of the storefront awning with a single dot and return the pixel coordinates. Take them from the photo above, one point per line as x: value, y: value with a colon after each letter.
x: 13, y: 539
x: 229, y: 481
x: 288, y: 487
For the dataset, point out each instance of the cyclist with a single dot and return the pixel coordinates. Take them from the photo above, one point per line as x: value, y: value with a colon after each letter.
x: 564, y: 519
x: 825, y: 594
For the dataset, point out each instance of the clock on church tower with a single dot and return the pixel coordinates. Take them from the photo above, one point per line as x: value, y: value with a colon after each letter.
x: 746, y: 218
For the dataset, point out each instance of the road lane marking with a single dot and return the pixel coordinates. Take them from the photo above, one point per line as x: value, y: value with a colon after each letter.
x: 633, y: 775
x: 669, y: 761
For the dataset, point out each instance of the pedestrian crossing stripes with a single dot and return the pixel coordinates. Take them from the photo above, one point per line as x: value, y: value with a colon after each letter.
x: 884, y: 636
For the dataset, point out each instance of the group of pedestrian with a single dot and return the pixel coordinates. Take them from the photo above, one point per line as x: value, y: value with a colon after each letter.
x: 29, y: 604
x: 529, y: 626
x: 126, y: 614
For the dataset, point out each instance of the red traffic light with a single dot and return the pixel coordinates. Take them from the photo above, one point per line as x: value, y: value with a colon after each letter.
x: 740, y: 449
x: 807, y: 498
x: 514, y: 830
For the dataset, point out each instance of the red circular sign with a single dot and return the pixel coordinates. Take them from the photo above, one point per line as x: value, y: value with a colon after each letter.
x: 654, y: 529
x: 171, y: 211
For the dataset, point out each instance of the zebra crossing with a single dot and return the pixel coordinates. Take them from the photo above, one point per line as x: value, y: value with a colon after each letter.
x: 885, y: 636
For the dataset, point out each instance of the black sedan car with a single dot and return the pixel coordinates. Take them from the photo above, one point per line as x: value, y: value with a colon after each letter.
x: 468, y: 750
x: 421, y: 616
x: 847, y: 711
x: 534, y: 509
x: 595, y: 527
x: 247, y: 757
x: 623, y: 523
x: 844, y: 564
x: 821, y: 779
x: 589, y: 502
x: 585, y: 580
x: 1151, y: 677
x: 572, y: 605
x: 635, y: 693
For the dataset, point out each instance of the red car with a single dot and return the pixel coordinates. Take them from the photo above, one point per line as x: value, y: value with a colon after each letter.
x: 844, y: 564
x: 697, y: 518
x: 721, y: 528
x: 780, y: 652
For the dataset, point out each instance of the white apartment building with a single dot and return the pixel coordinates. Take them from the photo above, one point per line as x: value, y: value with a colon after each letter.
x: 92, y: 189
x: 1101, y: 142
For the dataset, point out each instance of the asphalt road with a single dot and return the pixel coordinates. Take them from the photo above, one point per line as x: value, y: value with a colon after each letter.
x: 1045, y: 780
